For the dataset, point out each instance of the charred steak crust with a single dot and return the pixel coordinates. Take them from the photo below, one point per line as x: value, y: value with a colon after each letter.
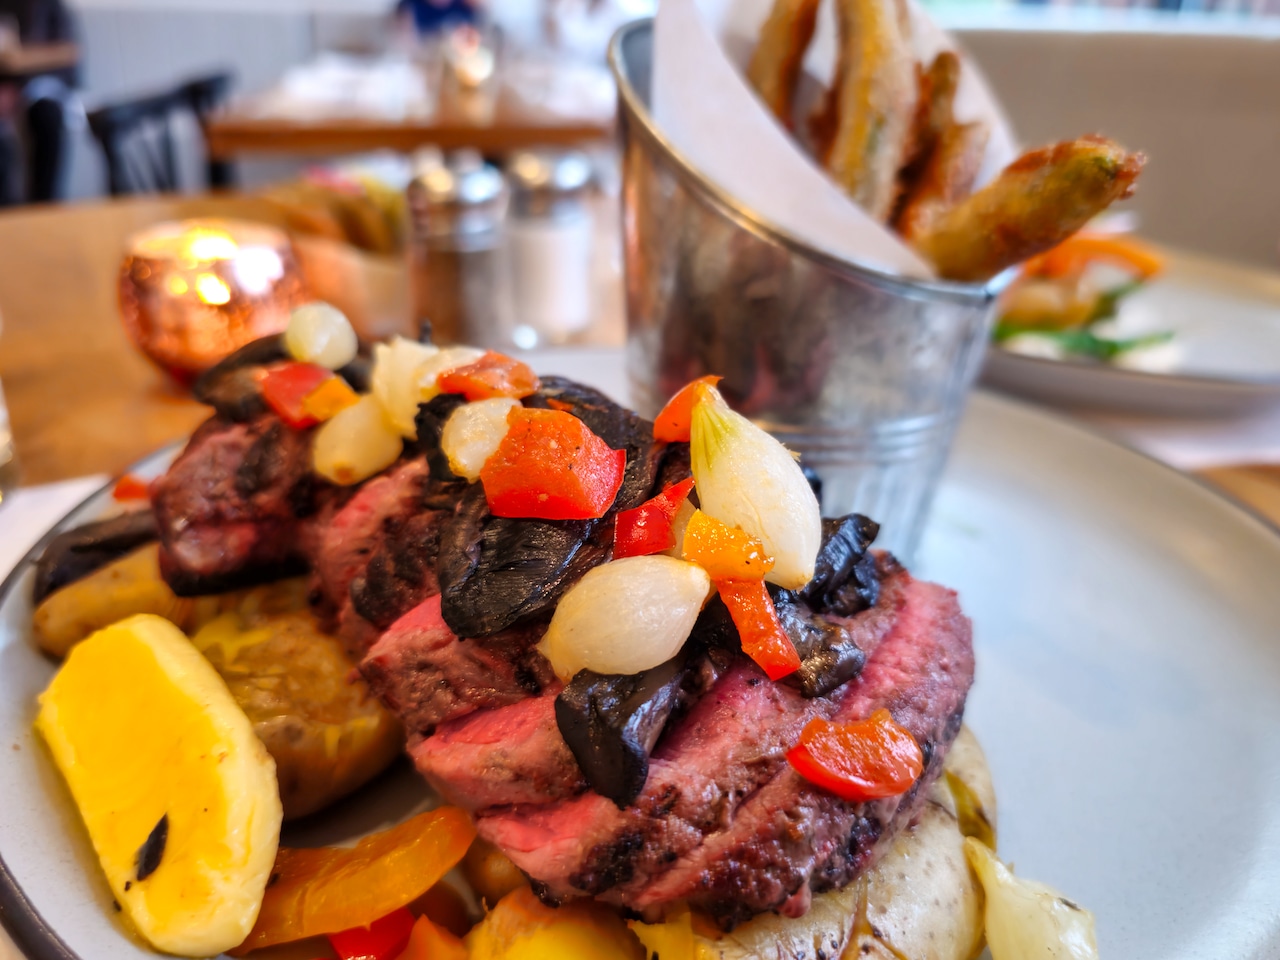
x: 227, y: 511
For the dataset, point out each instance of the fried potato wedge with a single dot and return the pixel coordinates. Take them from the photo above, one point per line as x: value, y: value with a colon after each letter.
x: 921, y: 900
x: 775, y: 63
x: 946, y: 178
x: 873, y: 103
x: 1035, y: 203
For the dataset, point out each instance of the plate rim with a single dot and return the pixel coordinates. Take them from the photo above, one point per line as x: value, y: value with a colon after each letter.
x: 37, y: 940
x: 1243, y: 385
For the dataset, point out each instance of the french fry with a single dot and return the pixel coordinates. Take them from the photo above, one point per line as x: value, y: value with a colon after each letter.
x: 775, y: 63
x: 873, y: 99
x: 947, y: 178
x: 1035, y: 203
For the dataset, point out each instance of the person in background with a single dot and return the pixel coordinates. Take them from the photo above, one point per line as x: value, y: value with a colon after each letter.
x: 37, y: 74
x: 435, y: 16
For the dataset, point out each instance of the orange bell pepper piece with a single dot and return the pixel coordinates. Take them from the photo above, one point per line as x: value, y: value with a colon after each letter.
x: 431, y: 942
x: 550, y: 466
x: 332, y: 889
x: 1076, y: 252
x: 673, y: 422
x: 759, y: 629
x: 868, y: 760
x: 725, y: 552
x: 493, y: 375
x: 331, y: 397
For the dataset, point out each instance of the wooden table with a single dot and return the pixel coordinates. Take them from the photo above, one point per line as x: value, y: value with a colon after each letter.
x: 82, y: 400
x: 460, y: 121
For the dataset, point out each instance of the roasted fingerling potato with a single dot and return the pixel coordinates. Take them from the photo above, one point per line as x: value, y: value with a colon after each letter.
x: 1035, y: 203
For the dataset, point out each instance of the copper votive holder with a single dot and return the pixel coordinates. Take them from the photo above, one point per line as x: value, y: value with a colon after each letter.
x: 193, y: 291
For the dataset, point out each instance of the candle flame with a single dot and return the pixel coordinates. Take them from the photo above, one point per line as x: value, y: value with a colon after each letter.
x: 212, y: 289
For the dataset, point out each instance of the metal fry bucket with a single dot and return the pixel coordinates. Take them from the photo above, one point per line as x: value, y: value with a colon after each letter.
x: 864, y: 374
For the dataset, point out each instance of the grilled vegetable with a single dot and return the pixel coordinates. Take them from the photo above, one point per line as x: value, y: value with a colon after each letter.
x: 320, y: 333
x: 74, y: 554
x: 1037, y: 202
x: 725, y: 552
x: 759, y: 630
x: 1026, y: 920
x: 626, y: 616
x: 612, y: 722
x: 357, y: 443
x: 178, y: 795
x: 231, y: 386
x: 550, y: 466
x: 775, y: 64
x: 429, y: 941
x: 674, y: 421
x: 521, y: 926
x: 490, y: 872
x: 651, y: 527
x: 473, y: 433
x: 873, y: 101
x: 868, y: 760
x: 747, y: 479
x: 286, y: 385
x: 325, y: 890
x: 493, y: 375
x: 329, y: 399
x: 384, y: 939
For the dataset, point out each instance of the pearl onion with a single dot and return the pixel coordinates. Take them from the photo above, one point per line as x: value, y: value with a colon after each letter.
x: 319, y: 333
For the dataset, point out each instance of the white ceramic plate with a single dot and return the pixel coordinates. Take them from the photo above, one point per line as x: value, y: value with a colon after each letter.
x: 1226, y: 324
x: 1128, y: 631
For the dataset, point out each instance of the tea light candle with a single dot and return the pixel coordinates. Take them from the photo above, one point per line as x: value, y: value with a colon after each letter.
x: 193, y: 291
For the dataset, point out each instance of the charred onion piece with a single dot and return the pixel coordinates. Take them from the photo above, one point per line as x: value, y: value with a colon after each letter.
x: 75, y: 554
x: 612, y: 722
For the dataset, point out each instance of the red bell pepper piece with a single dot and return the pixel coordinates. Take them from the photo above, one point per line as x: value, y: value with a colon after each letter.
x: 493, y: 375
x: 383, y: 939
x: 550, y: 466
x: 868, y: 760
x: 286, y: 385
x: 430, y: 941
x: 672, y: 425
x: 762, y: 636
x: 650, y: 527
x: 130, y: 487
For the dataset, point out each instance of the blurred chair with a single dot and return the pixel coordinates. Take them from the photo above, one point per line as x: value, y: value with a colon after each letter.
x: 139, y: 137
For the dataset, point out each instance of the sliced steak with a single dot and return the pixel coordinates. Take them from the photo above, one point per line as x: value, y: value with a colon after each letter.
x: 228, y: 509
x: 723, y: 820
x: 500, y: 756
x: 423, y: 672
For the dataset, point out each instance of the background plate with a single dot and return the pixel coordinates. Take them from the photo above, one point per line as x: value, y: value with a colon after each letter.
x: 1128, y: 693
x: 1226, y: 320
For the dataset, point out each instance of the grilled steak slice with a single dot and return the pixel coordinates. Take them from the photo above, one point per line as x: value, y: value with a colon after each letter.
x: 500, y: 756
x: 723, y: 821
x: 423, y: 672
x: 374, y: 559
x: 227, y: 510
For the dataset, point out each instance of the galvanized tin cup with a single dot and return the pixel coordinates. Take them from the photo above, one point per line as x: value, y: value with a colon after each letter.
x: 864, y: 374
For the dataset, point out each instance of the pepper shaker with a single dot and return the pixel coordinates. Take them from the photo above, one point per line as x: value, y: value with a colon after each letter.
x: 456, y: 212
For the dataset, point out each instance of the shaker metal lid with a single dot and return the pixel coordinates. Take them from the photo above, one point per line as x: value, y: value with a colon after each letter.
x: 555, y: 172
x: 466, y: 181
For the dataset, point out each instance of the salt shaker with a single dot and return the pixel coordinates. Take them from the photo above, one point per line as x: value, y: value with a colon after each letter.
x: 549, y: 236
x: 456, y: 211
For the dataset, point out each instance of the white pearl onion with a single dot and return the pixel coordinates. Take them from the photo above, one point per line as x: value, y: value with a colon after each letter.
x: 320, y: 333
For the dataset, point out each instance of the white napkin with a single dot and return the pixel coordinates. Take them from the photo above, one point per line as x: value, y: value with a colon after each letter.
x: 703, y: 104
x: 27, y: 513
